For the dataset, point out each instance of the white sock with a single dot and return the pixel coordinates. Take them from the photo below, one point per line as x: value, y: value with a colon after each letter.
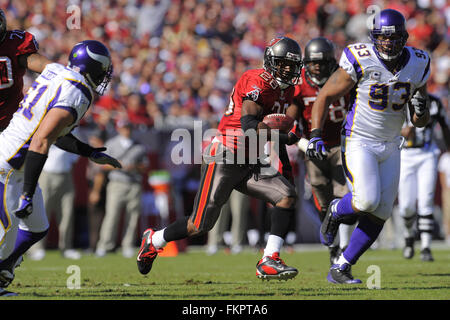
x: 345, y: 232
x: 425, y: 238
x: 342, y: 260
x: 274, y: 244
x: 158, y: 239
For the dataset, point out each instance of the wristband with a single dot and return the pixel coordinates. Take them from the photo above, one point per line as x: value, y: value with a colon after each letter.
x: 316, y: 133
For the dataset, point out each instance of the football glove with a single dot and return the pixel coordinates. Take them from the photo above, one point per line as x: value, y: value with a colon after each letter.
x: 316, y: 146
x: 25, y: 207
x: 100, y: 157
x: 420, y: 103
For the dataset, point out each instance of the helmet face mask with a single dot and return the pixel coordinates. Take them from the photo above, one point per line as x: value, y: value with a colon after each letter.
x: 320, y: 71
x: 283, y: 60
x: 389, y: 34
x: 92, y: 59
x: 320, y: 60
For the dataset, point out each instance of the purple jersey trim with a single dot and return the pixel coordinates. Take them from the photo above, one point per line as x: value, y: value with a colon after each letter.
x: 344, y: 163
x: 351, y: 58
x: 83, y: 89
x: 3, y: 215
x: 19, y: 158
x: 350, y: 114
x: 70, y: 109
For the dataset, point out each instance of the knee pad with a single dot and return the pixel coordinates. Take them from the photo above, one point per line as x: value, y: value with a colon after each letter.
x: 367, y: 205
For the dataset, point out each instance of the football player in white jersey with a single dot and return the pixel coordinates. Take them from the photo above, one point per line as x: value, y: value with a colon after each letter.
x: 418, y: 174
x: 382, y: 77
x: 51, y: 108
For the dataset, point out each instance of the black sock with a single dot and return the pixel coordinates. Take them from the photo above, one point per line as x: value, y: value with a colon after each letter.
x: 176, y: 230
x: 280, y: 221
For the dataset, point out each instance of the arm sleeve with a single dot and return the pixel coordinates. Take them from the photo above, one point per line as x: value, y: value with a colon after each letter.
x: 34, y: 163
x: 71, y: 144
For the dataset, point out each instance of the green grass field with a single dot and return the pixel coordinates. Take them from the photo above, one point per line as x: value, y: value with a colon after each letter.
x: 195, y: 276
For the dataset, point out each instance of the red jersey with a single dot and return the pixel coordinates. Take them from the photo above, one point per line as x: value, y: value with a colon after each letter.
x: 305, y: 95
x: 259, y: 86
x: 15, y: 44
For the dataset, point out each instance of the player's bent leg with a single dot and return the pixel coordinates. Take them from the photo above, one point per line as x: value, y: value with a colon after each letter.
x: 25, y: 239
x: 278, y: 191
x: 217, y: 182
x: 271, y: 266
x: 365, y: 234
x: 339, y: 211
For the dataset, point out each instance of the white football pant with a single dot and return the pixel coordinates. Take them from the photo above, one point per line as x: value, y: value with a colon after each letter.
x: 373, y: 170
x: 11, y: 183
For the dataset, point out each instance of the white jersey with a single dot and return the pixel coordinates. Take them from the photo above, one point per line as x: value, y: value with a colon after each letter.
x: 379, y: 97
x: 57, y: 87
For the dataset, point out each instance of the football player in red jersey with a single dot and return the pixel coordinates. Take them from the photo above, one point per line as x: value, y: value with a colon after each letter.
x: 18, y: 52
x: 326, y: 176
x: 257, y: 93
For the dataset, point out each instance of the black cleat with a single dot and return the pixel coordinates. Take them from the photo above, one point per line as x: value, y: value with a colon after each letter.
x: 330, y: 226
x: 408, y: 250
x: 273, y: 268
x: 7, y: 275
x: 5, y: 293
x: 342, y: 274
x: 425, y: 255
x: 147, y: 252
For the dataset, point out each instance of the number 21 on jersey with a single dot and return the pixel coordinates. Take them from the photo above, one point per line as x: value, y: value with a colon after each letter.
x: 31, y: 98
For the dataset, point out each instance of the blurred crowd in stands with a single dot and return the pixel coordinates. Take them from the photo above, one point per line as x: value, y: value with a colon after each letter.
x: 176, y: 61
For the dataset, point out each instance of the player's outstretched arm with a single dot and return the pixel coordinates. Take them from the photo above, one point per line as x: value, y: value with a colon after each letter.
x: 52, y: 124
x: 338, y: 85
x: 71, y: 144
x: 419, y: 107
x: 34, y: 62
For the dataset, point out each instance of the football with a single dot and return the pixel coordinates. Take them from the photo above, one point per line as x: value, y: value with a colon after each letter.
x: 279, y: 121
